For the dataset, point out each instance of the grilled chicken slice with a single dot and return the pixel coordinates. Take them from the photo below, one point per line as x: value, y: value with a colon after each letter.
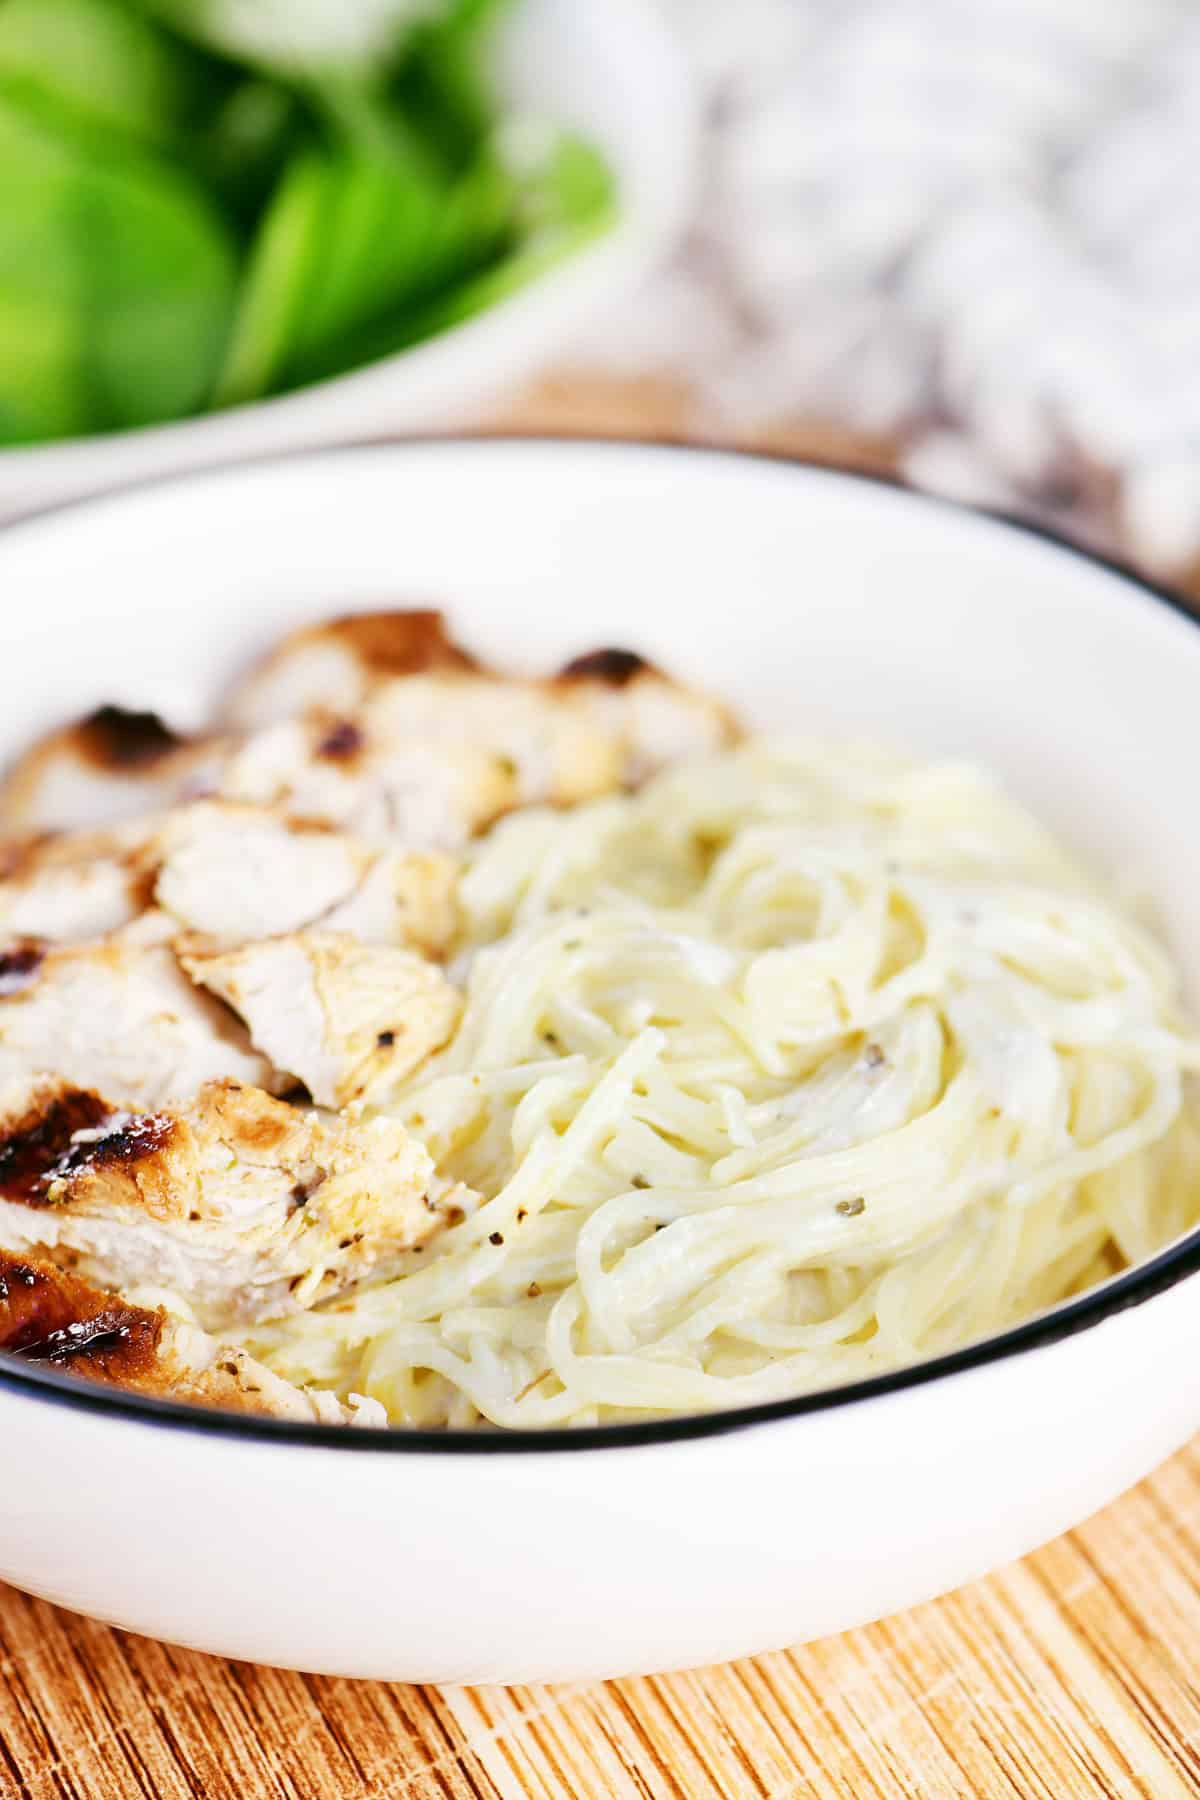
x: 105, y: 769
x: 233, y: 873
x: 657, y: 720
x: 335, y: 665
x: 55, y: 1319
x: 609, y: 717
x: 427, y: 762
x: 238, y: 873
x: 550, y: 749
x: 405, y: 898
x: 320, y: 768
x: 382, y: 686
x: 309, y: 749
x: 66, y: 888
x: 392, y: 791
x: 249, y: 1207
x: 377, y: 724
x: 390, y: 682
x: 122, y: 1017
x: 348, y: 1020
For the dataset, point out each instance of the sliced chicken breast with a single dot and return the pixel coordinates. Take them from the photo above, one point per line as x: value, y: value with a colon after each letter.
x: 609, y: 718
x: 379, y: 725
x: 656, y: 719
x: 320, y: 768
x: 335, y: 664
x: 112, y: 766
x: 386, y: 683
x: 405, y: 898
x: 246, y: 1206
x: 122, y: 1017
x: 392, y: 790
x: 428, y: 761
x: 238, y: 873
x: 69, y: 887
x: 233, y: 873
x: 55, y: 1319
x: 347, y: 1019
x: 552, y: 751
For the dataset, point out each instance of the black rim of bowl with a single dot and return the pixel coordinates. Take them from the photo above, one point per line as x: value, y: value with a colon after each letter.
x: 1133, y: 1287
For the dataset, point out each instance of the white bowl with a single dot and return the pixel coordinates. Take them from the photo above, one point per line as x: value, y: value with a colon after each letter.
x: 809, y: 598
x: 609, y: 67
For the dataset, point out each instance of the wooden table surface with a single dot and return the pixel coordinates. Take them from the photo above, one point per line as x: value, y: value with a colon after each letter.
x: 1073, y: 1674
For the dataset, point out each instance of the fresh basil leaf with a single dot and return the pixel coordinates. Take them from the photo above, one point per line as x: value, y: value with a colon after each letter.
x: 392, y: 237
x: 96, y: 64
x: 350, y: 235
x: 284, y: 261
x: 133, y: 272
x: 575, y: 203
x: 361, y: 194
x: 159, y: 274
x: 442, y: 83
x: 43, y: 389
x: 246, y: 145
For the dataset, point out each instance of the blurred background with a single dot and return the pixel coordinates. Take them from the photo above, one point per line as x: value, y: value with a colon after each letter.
x: 955, y: 240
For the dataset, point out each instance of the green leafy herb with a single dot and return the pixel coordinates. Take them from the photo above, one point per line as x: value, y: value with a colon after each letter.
x: 569, y: 215
x: 282, y: 267
x: 116, y: 285
x: 97, y: 64
x: 246, y: 143
x: 203, y: 203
